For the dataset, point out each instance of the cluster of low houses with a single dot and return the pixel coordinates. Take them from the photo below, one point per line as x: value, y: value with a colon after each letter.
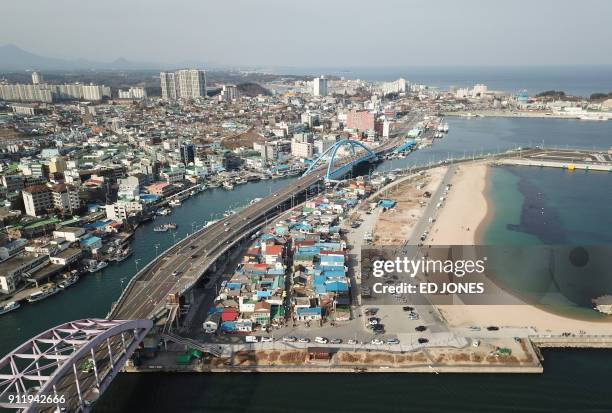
x: 295, y: 272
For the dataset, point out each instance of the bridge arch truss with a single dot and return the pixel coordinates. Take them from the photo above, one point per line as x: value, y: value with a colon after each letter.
x: 331, y: 152
x: 73, y: 359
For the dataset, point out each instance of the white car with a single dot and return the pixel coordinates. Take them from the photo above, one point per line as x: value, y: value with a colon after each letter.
x: 377, y: 342
x: 476, y: 343
x: 393, y: 341
x: 266, y: 339
x: 303, y: 340
x: 321, y: 340
x: 289, y: 339
x: 352, y: 341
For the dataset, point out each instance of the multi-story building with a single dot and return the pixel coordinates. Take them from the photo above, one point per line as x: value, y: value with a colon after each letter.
x: 122, y: 209
x: 168, y: 86
x: 187, y: 153
x: 132, y: 93
x: 37, y: 78
x: 319, y: 86
x: 229, y: 93
x: 302, y: 149
x: 183, y: 84
x: 65, y: 198
x: 361, y: 120
x: 191, y: 83
x: 37, y: 200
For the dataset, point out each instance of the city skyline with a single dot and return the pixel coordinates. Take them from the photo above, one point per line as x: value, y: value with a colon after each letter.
x: 319, y: 34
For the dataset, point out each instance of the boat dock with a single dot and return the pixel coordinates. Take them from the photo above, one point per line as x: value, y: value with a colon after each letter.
x: 563, y: 159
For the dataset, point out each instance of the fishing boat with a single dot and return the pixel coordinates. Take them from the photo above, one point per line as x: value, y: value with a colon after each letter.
x: 97, y: 267
x: 42, y: 294
x: 228, y: 185
x: 171, y: 225
x: 160, y: 228
x: 164, y: 211
x: 8, y: 307
x: 241, y: 181
x: 123, y: 255
x: 68, y: 282
x: 175, y: 203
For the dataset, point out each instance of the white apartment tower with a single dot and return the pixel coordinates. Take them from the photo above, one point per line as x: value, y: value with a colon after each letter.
x: 168, y: 86
x: 37, y: 78
x: 183, y: 84
x: 319, y: 86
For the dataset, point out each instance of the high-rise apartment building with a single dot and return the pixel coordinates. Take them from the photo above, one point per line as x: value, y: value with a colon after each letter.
x: 168, y: 85
x: 183, y: 84
x: 319, y: 86
x: 37, y: 78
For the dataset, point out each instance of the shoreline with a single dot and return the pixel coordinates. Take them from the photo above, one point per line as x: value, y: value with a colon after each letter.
x: 479, y: 234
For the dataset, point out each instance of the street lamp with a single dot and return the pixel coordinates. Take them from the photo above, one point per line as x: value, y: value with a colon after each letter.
x: 136, y: 261
x: 156, y: 250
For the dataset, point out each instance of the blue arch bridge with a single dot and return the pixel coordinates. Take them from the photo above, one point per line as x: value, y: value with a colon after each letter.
x: 330, y: 154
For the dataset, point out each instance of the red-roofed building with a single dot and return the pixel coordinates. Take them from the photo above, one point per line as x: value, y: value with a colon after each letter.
x: 229, y: 314
x: 162, y: 189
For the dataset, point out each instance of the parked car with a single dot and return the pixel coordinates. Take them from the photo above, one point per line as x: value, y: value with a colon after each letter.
x: 289, y: 339
x: 336, y: 341
x: 377, y: 342
x: 393, y: 341
x: 352, y: 341
x: 321, y: 340
x: 420, y: 328
x: 303, y: 340
x: 492, y: 328
x: 408, y: 308
x: 422, y: 340
x: 373, y: 321
x: 378, y: 329
x: 371, y: 311
x: 266, y: 339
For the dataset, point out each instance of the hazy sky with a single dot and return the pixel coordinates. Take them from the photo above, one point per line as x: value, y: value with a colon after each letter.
x: 315, y: 32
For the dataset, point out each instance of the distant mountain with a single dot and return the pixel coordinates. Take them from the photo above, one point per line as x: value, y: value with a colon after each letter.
x: 13, y: 58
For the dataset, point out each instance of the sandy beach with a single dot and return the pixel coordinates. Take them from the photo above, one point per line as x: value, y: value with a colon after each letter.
x: 464, y: 209
x: 463, y: 212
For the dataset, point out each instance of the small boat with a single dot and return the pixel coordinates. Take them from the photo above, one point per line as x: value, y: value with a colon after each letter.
x: 8, y: 307
x: 164, y: 211
x: 42, y: 294
x: 241, y: 181
x: 68, y: 282
x: 97, y: 267
x: 160, y: 228
x: 228, y: 185
x: 175, y: 203
x: 171, y: 225
x: 123, y: 254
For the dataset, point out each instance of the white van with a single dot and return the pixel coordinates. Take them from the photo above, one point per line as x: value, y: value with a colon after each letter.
x: 251, y: 339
